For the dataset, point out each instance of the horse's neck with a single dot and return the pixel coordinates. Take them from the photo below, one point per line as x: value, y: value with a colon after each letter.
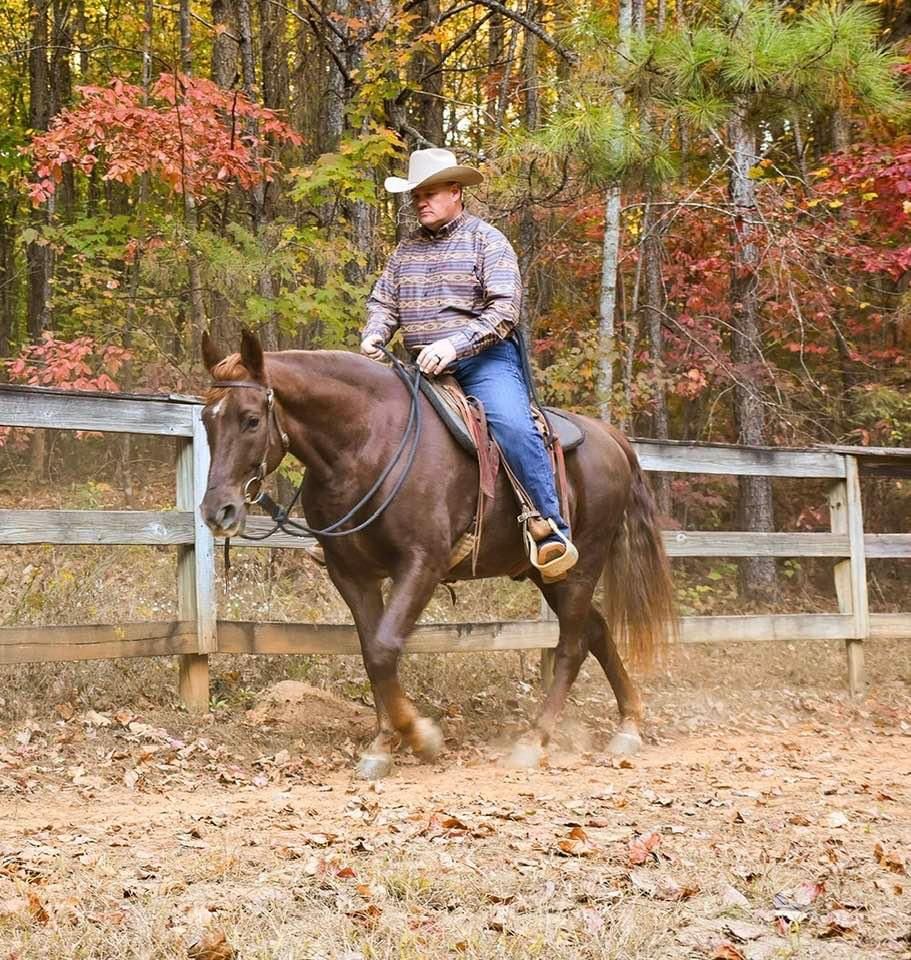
x: 325, y: 410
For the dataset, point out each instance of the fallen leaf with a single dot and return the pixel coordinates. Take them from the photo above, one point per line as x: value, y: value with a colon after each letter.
x: 212, y: 945
x: 732, y: 897
x: 890, y: 859
x: 835, y: 820
x: 370, y: 891
x: 726, y: 951
x: 194, y: 843
x: 659, y: 887
x: 367, y: 916
x: 36, y: 909
x: 501, y: 921
x: 644, y: 881
x: 838, y: 923
x: 793, y: 904
x: 95, y: 719
x: 65, y: 711
x: 320, y: 839
x: 669, y: 889
x: 742, y: 931
x: 642, y: 848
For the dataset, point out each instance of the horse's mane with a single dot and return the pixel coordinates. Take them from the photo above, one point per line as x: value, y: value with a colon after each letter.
x: 231, y: 368
x: 340, y: 365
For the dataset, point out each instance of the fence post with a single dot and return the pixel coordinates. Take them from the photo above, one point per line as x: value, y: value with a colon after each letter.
x: 846, y: 511
x: 196, y: 569
x: 548, y: 654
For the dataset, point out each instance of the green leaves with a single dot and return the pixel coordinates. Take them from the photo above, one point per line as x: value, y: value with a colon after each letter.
x: 343, y: 175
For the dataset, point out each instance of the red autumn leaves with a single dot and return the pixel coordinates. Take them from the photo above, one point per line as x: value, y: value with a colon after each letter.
x: 189, y: 133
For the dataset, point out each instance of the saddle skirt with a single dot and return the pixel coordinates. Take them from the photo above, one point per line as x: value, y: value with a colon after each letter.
x: 442, y: 392
x: 466, y: 421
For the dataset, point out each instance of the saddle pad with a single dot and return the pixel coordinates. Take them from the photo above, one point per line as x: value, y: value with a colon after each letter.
x: 568, y: 433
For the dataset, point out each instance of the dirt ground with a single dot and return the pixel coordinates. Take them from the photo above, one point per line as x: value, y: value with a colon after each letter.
x: 768, y: 816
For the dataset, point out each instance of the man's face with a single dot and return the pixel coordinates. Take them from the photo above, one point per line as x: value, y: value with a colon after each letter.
x: 437, y: 204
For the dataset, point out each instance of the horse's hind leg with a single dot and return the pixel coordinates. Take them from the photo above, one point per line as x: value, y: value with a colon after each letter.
x: 600, y: 643
x: 571, y: 601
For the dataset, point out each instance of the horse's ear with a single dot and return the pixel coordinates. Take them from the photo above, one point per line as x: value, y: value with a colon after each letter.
x: 251, y: 353
x: 211, y: 354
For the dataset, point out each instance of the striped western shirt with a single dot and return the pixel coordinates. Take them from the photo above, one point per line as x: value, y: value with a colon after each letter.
x: 461, y: 282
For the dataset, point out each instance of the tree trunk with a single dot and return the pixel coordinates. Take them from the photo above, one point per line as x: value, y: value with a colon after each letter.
x: 841, y: 130
x: 224, y: 73
x: 428, y: 77
x: 800, y: 148
x: 528, y: 227
x: 755, y: 511
x: 607, y: 307
x: 503, y: 92
x: 224, y: 44
x: 275, y: 93
x: 495, y: 47
x: 269, y: 330
x: 9, y: 288
x: 194, y: 274
x: 610, y: 255
x: 655, y: 309
x: 652, y: 247
x: 39, y: 258
x: 61, y: 95
x: 133, y: 270
x: 338, y: 93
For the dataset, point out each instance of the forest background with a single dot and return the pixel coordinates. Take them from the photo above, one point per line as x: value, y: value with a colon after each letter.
x: 710, y: 203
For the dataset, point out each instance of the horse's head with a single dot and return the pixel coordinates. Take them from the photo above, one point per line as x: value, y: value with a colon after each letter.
x: 246, y: 441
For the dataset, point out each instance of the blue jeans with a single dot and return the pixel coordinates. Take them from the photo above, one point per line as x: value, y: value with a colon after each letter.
x: 497, y: 379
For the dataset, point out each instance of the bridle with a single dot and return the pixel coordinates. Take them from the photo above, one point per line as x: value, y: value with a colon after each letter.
x: 281, y: 515
x: 262, y: 471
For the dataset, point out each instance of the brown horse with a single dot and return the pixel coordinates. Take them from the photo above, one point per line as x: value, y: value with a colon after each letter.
x: 343, y: 417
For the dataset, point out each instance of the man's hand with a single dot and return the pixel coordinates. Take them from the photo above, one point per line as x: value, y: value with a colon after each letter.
x: 370, y: 346
x: 434, y: 359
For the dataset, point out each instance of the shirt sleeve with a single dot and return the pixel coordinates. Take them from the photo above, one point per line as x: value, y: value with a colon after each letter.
x: 502, y: 285
x: 383, y: 303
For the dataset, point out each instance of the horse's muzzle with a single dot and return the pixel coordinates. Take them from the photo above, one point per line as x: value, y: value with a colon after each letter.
x: 225, y: 518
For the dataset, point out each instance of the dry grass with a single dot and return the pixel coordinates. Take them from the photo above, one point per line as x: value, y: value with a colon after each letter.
x: 758, y: 775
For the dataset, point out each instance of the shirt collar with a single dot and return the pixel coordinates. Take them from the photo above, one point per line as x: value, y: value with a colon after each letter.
x: 448, y: 229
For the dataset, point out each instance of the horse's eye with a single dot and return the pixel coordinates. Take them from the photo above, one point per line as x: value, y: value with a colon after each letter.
x: 251, y: 423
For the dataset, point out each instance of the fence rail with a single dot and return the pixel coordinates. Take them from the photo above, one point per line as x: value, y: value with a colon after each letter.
x: 196, y: 632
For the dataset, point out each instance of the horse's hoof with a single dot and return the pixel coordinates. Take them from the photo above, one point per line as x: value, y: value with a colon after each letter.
x: 426, y: 739
x: 526, y: 755
x: 374, y: 766
x: 625, y: 744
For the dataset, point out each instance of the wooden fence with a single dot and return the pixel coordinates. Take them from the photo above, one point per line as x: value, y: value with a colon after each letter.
x: 196, y: 632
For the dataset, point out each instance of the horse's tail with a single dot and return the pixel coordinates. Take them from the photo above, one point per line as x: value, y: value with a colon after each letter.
x: 638, y: 591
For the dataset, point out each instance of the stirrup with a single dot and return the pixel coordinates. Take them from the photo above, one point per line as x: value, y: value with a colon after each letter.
x: 557, y: 568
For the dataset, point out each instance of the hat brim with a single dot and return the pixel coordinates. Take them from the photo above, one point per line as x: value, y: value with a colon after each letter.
x: 467, y: 176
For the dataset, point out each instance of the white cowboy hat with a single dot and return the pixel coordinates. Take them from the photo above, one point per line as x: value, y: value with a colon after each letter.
x: 426, y: 167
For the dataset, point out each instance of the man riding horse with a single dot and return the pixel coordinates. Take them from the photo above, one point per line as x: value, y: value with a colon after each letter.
x: 454, y: 289
x: 373, y: 449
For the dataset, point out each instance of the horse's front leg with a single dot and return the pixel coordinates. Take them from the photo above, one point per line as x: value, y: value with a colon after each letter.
x: 411, y: 592
x: 365, y: 600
